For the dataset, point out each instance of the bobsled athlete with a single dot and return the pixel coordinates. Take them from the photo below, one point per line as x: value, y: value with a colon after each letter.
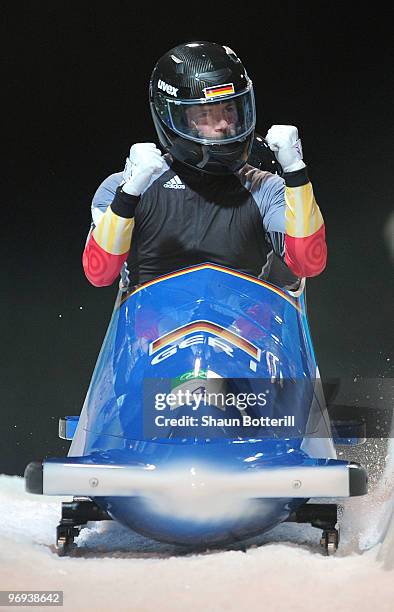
x: 200, y: 201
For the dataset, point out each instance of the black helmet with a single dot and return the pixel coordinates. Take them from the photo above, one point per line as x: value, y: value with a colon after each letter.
x: 193, y: 86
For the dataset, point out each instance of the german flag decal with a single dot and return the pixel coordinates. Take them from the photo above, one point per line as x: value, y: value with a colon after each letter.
x: 208, y: 327
x: 219, y: 90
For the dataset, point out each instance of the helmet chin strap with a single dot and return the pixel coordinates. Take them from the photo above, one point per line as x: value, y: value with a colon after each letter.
x: 205, y: 158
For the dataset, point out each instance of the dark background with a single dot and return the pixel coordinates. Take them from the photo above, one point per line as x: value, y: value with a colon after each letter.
x: 75, y: 99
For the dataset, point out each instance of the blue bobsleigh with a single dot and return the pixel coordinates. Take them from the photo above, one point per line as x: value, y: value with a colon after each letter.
x: 205, y: 421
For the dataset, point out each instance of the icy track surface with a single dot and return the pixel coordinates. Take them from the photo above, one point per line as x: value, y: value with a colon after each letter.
x: 116, y: 569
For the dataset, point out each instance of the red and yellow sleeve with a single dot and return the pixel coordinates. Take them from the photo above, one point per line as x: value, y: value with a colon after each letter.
x: 305, y: 242
x: 107, y: 248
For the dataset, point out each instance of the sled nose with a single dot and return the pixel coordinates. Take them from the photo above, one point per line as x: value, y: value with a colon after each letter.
x: 72, y: 477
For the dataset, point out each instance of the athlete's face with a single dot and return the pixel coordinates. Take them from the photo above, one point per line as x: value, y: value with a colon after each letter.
x: 213, y: 120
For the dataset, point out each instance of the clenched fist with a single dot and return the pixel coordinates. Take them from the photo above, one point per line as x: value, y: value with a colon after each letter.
x: 283, y: 140
x: 144, y: 160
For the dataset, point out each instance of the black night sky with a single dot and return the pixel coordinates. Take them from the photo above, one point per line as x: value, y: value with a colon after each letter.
x: 75, y: 97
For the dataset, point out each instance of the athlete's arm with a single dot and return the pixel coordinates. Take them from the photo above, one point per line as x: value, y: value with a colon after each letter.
x: 113, y: 210
x: 305, y: 239
x: 109, y: 241
x: 304, y: 247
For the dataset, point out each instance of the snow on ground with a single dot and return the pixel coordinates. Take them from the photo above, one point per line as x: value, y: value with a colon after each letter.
x: 114, y: 568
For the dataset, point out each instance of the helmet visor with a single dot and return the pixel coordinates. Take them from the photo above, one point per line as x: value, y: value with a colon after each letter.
x: 210, y: 121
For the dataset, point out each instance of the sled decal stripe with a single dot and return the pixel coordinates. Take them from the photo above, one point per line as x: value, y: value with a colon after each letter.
x: 208, y: 327
x: 209, y: 266
x: 113, y: 233
x: 303, y: 216
x: 306, y: 256
x: 101, y: 268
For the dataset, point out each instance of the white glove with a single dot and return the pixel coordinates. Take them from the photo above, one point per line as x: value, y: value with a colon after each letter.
x: 144, y: 161
x: 284, y: 142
